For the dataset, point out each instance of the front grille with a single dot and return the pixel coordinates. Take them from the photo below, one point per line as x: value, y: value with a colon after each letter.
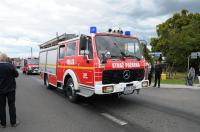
x: 116, y: 76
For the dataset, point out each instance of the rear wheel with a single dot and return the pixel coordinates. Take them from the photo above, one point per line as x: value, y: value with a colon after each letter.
x: 70, y: 91
x: 46, y: 82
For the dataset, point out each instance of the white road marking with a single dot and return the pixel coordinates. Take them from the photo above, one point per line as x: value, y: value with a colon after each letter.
x: 108, y: 116
x: 114, y: 119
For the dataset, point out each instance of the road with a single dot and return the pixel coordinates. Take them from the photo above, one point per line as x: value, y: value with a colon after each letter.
x: 153, y: 110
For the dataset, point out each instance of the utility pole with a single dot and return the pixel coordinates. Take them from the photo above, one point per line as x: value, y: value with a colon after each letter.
x: 31, y: 53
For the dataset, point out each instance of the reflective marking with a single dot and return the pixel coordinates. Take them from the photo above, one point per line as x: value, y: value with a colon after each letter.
x: 114, y: 119
x: 76, y: 67
x: 71, y: 67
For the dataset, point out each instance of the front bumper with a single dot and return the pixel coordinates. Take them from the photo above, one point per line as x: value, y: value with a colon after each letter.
x: 120, y: 88
x: 33, y: 71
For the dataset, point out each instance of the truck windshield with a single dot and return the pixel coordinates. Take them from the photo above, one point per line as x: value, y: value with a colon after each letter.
x: 33, y: 61
x: 119, y: 47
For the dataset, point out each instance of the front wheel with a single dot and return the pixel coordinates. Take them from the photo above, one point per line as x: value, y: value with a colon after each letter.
x: 70, y: 91
x: 27, y: 72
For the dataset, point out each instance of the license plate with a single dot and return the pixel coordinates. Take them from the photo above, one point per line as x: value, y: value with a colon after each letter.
x: 35, y: 71
x: 129, y: 89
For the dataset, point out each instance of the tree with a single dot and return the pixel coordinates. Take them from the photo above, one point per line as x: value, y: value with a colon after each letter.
x: 147, y: 56
x: 178, y: 37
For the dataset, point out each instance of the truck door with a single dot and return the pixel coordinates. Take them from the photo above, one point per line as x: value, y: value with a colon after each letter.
x: 61, y: 62
x: 71, y: 56
x: 86, y: 62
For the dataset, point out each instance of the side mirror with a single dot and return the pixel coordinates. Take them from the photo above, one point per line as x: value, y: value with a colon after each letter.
x: 144, y: 43
x: 84, y: 52
x: 105, y: 57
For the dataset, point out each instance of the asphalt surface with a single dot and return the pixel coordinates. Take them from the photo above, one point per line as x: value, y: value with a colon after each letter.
x: 153, y: 110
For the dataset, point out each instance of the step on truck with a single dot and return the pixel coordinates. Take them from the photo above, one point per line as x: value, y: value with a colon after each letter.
x: 102, y: 63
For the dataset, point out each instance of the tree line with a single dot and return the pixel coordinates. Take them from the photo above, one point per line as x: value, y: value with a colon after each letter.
x: 177, y: 37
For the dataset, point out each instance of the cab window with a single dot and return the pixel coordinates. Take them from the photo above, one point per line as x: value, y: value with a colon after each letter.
x: 86, y: 44
x: 90, y: 55
x: 71, y: 49
x: 61, y: 52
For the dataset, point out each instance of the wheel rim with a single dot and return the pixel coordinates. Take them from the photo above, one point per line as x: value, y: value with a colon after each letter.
x: 70, y: 90
x: 47, y: 82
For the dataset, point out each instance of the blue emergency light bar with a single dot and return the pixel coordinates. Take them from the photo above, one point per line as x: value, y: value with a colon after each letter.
x: 93, y: 29
x: 128, y: 33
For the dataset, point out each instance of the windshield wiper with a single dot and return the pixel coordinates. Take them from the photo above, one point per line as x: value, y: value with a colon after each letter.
x: 121, y: 52
x: 133, y: 56
x: 114, y: 56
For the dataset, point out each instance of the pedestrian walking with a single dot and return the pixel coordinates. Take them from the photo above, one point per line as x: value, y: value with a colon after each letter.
x: 158, y: 72
x: 8, y: 73
x: 199, y: 76
x: 191, y: 76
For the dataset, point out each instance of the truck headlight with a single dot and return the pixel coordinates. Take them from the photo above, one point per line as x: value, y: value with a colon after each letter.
x: 107, y: 89
x: 29, y: 67
x: 145, y: 84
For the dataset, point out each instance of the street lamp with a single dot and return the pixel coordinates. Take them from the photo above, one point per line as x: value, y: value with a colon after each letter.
x: 188, y: 62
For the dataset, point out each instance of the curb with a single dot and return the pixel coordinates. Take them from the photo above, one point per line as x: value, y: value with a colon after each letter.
x: 196, y: 87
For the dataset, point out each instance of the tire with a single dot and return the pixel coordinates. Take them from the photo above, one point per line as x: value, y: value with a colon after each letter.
x: 116, y: 95
x: 70, y: 92
x: 46, y: 82
x: 27, y: 73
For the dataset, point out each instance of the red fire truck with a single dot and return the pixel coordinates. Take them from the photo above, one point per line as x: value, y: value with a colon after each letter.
x: 16, y: 62
x: 102, y: 63
x: 30, y: 65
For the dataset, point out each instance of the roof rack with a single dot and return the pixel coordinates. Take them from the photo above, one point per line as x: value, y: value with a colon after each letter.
x: 56, y: 40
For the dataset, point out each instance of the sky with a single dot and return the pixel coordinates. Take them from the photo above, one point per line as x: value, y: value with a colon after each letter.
x: 24, y: 24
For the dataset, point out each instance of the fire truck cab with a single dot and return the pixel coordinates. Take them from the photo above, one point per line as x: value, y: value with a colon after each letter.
x: 30, y: 65
x: 103, y: 63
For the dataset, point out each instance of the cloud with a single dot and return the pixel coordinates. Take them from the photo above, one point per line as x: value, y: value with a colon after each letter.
x: 19, y: 51
x: 26, y: 23
x: 17, y: 42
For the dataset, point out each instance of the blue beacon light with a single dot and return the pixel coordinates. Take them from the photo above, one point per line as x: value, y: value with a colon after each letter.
x: 128, y: 33
x: 93, y: 29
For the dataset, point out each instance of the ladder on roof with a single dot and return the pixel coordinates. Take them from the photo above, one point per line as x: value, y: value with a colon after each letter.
x: 56, y: 40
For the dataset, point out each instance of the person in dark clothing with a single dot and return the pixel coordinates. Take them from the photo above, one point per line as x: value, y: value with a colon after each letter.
x: 150, y: 73
x: 8, y: 73
x: 199, y: 76
x: 158, y: 72
x: 191, y: 76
